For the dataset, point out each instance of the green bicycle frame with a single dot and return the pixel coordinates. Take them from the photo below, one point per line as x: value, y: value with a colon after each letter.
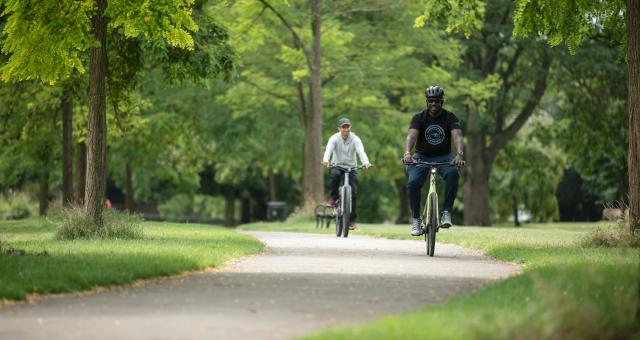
x: 432, y: 188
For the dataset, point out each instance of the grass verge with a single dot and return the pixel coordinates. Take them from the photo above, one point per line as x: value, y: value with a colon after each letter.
x: 567, y: 290
x: 33, y: 261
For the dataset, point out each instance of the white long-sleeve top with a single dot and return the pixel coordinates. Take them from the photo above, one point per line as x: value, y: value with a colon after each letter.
x: 344, y: 151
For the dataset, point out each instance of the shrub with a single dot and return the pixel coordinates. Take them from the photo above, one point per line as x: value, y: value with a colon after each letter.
x: 301, y: 215
x: 192, y: 207
x: 115, y: 224
x: 16, y: 205
x: 619, y: 236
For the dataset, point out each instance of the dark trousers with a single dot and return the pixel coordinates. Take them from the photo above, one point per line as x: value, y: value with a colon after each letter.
x: 336, y: 176
x: 418, y: 175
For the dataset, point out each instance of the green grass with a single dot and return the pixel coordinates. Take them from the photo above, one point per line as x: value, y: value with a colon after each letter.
x: 165, y: 249
x: 567, y: 290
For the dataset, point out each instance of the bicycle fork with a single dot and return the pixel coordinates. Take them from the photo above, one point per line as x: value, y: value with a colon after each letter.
x: 432, y: 188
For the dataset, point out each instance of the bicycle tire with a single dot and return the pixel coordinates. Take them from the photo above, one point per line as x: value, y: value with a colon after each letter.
x: 346, y: 211
x: 432, y: 224
x: 338, y: 218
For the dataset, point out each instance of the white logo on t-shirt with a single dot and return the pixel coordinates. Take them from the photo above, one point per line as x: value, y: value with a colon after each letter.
x: 434, y: 134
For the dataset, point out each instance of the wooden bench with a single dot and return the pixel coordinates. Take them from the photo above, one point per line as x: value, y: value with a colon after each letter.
x: 324, y: 215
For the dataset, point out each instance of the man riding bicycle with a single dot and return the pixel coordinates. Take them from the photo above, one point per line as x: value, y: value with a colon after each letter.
x: 343, y: 146
x: 433, y: 130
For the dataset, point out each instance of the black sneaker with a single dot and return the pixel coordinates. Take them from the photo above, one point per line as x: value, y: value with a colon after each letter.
x: 445, y: 220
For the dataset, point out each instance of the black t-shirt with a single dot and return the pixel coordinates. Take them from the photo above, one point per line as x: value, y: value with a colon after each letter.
x: 434, y: 133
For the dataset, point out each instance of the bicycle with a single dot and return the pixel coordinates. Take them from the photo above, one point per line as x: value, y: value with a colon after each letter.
x: 342, y: 208
x: 430, y: 215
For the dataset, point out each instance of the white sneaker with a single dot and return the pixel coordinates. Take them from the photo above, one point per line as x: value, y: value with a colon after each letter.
x: 416, y: 227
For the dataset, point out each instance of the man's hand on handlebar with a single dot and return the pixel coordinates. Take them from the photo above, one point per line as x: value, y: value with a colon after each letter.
x: 459, y: 161
x: 406, y: 159
x: 325, y: 164
x: 367, y: 166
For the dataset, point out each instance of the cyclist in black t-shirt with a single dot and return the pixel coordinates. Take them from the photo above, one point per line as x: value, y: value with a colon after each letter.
x: 433, y: 129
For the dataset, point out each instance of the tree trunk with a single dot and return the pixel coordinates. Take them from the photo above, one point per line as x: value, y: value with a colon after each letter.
x: 230, y: 207
x: 476, y: 185
x: 514, y: 202
x: 43, y: 195
x: 128, y: 188
x: 245, y: 206
x: 633, y: 55
x: 403, y: 214
x: 312, y: 179
x: 81, y: 170
x: 97, y: 127
x: 45, y: 159
x: 67, y: 158
x: 273, y: 194
x: 313, y: 186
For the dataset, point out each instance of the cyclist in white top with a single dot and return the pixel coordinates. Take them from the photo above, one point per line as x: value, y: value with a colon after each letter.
x: 343, y: 146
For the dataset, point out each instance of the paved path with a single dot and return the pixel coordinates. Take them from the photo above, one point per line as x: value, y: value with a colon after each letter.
x: 303, y: 283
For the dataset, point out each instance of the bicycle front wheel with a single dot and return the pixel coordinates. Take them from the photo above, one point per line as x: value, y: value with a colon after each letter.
x: 346, y: 210
x: 432, y: 224
x: 337, y: 215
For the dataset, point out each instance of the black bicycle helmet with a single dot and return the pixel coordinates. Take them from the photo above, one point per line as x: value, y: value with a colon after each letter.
x: 434, y: 92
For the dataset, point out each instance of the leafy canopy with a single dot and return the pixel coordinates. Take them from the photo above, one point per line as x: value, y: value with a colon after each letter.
x: 47, y: 40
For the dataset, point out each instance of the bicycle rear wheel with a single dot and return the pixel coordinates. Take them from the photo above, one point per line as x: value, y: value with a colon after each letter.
x: 346, y: 210
x: 432, y: 224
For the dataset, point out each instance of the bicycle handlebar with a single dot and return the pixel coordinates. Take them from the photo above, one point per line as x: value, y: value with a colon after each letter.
x: 359, y: 167
x: 429, y: 164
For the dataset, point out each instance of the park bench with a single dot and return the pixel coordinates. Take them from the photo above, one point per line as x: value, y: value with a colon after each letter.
x: 324, y: 215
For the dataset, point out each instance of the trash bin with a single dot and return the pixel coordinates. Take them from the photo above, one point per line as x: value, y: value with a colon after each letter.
x: 275, y: 210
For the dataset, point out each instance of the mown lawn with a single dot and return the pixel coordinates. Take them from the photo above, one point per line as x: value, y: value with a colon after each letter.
x: 567, y: 289
x: 31, y: 261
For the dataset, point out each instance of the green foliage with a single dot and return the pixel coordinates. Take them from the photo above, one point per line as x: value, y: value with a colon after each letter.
x: 478, y: 93
x: 572, y: 22
x: 49, y: 41
x: 465, y: 16
x: 75, y: 225
x: 368, y: 75
x: 45, y: 40
x: 527, y: 173
x: 567, y: 21
x: 591, y: 111
x: 29, y: 134
x: 192, y: 208
x: 168, y: 21
x: 17, y: 205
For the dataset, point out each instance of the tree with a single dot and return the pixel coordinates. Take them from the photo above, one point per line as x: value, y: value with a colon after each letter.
x: 574, y: 22
x: 312, y: 180
x: 368, y: 75
x: 526, y: 174
x: 571, y: 22
x: 500, y: 85
x: 29, y: 136
x: 590, y: 109
x: 49, y: 41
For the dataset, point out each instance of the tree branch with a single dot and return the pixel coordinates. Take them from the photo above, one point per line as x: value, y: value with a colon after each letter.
x: 271, y: 93
x: 341, y: 11
x: 506, y: 85
x: 296, y: 38
x: 501, y: 139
